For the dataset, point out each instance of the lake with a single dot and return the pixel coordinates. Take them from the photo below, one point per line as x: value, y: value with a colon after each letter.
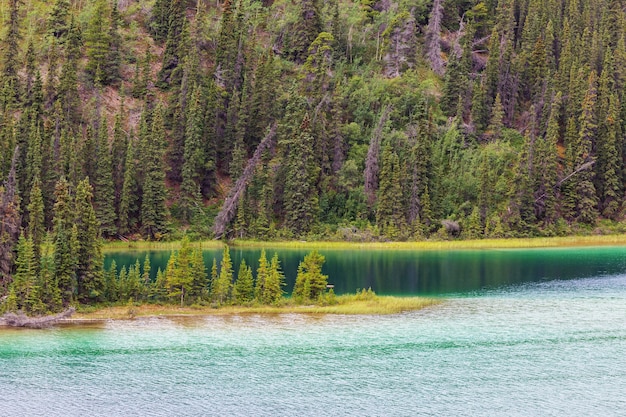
x: 520, y: 333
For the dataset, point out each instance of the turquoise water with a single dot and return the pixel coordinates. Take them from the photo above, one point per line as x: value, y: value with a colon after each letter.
x: 544, y: 346
x: 423, y: 272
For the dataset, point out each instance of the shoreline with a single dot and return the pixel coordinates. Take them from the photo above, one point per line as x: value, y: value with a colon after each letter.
x: 508, y: 243
x: 346, y: 305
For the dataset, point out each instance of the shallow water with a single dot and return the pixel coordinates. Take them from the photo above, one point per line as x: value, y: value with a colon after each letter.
x: 544, y: 347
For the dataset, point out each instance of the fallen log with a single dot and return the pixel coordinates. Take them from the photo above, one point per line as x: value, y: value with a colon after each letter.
x: 20, y: 319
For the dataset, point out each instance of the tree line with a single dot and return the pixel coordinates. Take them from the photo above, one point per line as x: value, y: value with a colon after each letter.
x: 41, y: 288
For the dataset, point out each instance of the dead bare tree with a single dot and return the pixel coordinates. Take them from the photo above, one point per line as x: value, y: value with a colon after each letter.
x: 433, y: 38
x: 371, y: 163
x: 578, y: 169
x: 229, y: 208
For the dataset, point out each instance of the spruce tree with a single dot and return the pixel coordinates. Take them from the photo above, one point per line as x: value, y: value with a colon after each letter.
x: 175, y: 45
x: 243, y: 290
x: 310, y: 282
x: 111, y: 290
x: 97, y: 42
x: 153, y: 210
x: 199, y: 282
x: 57, y: 25
x: 301, y: 199
x: 104, y: 191
x: 389, y: 211
x: 10, y: 57
x: 274, y: 283
x: 305, y: 30
x: 89, y: 274
x: 262, y: 274
x: 25, y: 279
x: 550, y: 163
x: 129, y: 207
x: 65, y: 242
x: 49, y: 292
x: 586, y: 207
x: 221, y: 290
x: 193, y: 164
x: 36, y: 220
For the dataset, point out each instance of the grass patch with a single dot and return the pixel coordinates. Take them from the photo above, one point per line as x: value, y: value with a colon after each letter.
x: 353, y: 304
x: 513, y: 243
x: 517, y: 243
x: 144, y: 245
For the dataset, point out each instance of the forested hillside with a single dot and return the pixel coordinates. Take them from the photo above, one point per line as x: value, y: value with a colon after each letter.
x: 355, y: 120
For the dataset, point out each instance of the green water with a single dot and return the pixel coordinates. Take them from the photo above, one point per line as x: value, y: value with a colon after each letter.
x: 521, y: 333
x: 423, y: 272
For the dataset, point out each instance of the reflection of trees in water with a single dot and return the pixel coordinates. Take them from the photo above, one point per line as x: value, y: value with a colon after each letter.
x: 427, y: 272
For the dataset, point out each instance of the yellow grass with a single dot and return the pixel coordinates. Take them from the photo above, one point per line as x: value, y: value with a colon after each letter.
x: 144, y: 245
x: 346, y: 304
x: 539, y: 242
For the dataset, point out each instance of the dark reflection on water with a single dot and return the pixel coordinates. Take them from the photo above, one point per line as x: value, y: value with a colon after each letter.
x: 404, y: 272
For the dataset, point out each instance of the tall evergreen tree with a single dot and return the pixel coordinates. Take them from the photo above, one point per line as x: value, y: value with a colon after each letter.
x: 9, y: 223
x: 89, y: 273
x: 389, y: 211
x: 97, y: 42
x: 153, y: 210
x: 243, y: 290
x: 10, y: 57
x: 274, y: 283
x: 221, y: 289
x: 310, y: 282
x: 301, y: 200
x: 586, y: 207
x: 104, y: 192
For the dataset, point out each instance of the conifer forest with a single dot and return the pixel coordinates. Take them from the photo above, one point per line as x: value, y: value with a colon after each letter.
x: 338, y: 119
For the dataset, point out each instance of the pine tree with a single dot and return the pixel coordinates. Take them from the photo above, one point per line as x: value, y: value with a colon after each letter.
x: 497, y: 117
x: 65, y: 242
x: 301, y: 199
x: 262, y: 274
x: 305, y: 30
x: 89, y: 274
x: 113, y: 58
x: 199, y: 283
x: 129, y: 207
x: 274, y: 283
x: 97, y: 42
x: 49, y: 292
x: 310, y: 282
x: 9, y: 223
x: 222, y: 287
x: 68, y: 96
x: 25, y: 279
x: 389, y: 211
x: 243, y: 290
x: 10, y: 57
x: 193, y: 164
x: 549, y: 170
x: 586, y: 207
x: 612, y: 188
x: 160, y: 21
x: 153, y: 210
x: 104, y: 191
x: 57, y: 21
x: 36, y: 220
x: 175, y: 45
x: 111, y: 290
